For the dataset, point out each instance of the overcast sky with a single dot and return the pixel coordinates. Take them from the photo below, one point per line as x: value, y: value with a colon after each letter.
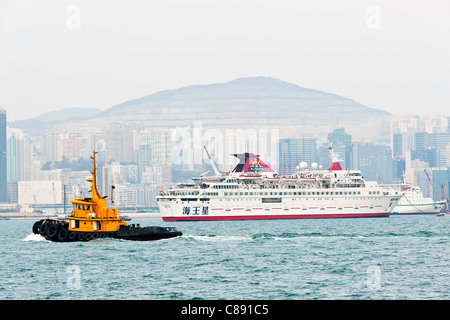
x: 393, y: 55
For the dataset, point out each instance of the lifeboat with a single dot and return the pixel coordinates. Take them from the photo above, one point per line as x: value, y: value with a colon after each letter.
x: 250, y: 176
x: 92, y: 219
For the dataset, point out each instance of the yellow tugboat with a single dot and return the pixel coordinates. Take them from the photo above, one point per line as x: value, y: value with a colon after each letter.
x: 91, y: 219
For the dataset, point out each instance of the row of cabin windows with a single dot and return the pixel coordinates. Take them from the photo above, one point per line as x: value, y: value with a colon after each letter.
x: 185, y: 193
x: 83, y: 207
x: 225, y: 187
x: 266, y: 193
x: 309, y: 193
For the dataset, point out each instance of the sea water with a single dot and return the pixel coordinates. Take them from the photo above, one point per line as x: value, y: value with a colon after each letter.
x: 400, y: 257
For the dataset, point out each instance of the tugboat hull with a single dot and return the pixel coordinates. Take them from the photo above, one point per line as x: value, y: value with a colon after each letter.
x: 58, y: 231
x: 146, y: 233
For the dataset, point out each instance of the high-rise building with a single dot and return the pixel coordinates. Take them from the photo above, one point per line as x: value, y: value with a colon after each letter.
x: 431, y: 148
x: 440, y: 142
x: 145, y: 158
x: 161, y: 145
x: 119, y: 145
x: 295, y: 150
x: 397, y: 145
x: 19, y: 156
x: 398, y: 169
x: 3, y: 158
x: 374, y: 161
x: 342, y: 145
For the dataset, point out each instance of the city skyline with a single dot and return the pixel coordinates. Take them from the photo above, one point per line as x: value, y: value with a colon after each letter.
x: 391, y: 56
x: 139, y: 162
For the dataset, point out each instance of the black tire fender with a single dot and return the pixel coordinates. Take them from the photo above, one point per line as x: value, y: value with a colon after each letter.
x: 63, y: 234
x: 43, y: 228
x: 36, y: 226
x: 72, y: 235
x: 52, y: 231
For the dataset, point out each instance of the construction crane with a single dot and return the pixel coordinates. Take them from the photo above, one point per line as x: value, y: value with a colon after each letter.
x: 431, y: 182
x: 444, y: 196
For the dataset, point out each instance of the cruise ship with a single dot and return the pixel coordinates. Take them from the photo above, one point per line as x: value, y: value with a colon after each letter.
x: 253, y: 190
x: 413, y: 201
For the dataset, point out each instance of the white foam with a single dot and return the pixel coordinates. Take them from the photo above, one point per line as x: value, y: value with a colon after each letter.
x: 217, y: 238
x: 34, y: 237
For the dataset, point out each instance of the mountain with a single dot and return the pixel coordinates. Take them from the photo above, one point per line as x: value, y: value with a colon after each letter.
x: 257, y: 102
x: 67, y: 114
x: 245, y: 101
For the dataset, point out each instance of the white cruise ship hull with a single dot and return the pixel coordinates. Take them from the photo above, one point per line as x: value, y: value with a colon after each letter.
x: 252, y: 190
x: 289, y: 208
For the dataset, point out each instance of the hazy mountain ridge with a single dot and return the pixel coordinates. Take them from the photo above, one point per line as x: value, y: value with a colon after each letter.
x: 246, y: 102
x: 67, y: 114
x: 265, y: 94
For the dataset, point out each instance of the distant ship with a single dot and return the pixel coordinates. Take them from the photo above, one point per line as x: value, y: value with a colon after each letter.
x: 413, y: 201
x: 252, y: 190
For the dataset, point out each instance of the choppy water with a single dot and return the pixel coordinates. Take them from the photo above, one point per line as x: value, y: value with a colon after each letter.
x: 401, y: 257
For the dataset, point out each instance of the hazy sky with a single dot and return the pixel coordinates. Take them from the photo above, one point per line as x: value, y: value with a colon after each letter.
x: 393, y: 55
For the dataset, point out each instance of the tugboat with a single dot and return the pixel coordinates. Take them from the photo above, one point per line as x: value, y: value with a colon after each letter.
x: 91, y: 219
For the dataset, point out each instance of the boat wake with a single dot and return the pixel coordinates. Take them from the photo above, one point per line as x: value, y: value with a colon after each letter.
x: 215, y: 238
x: 34, y: 237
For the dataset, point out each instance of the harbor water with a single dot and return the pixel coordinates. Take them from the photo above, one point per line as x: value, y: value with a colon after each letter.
x: 400, y: 257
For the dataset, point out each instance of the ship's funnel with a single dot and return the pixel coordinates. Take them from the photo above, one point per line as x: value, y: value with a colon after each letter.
x: 249, y: 162
x: 335, y: 165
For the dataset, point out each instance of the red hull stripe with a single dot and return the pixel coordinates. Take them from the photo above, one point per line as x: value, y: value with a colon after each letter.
x: 279, y: 216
